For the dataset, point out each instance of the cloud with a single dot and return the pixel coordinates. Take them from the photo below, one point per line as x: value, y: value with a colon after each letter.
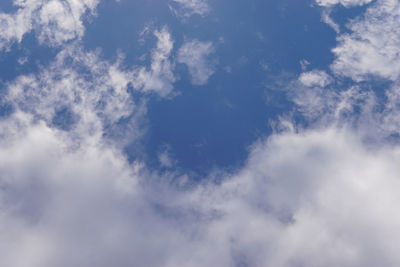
x: 54, y: 22
x: 77, y: 92
x: 160, y: 76
x: 308, y: 198
x: 315, y: 78
x: 346, y: 3
x: 326, y: 18
x: 311, y: 199
x: 187, y: 8
x: 304, y: 197
x: 194, y: 54
x: 321, y: 196
x: 324, y: 101
x: 58, y: 201
x: 313, y: 96
x: 373, y: 46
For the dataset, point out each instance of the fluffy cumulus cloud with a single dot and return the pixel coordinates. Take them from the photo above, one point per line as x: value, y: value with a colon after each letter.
x: 373, y: 46
x: 186, y: 8
x: 54, y: 21
x: 312, y: 201
x: 302, y: 199
x: 194, y: 54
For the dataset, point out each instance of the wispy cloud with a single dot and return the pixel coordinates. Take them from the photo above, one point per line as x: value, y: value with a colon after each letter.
x: 54, y: 22
x: 194, y: 54
x: 187, y: 8
x: 326, y: 17
x: 346, y: 3
x: 93, y: 91
x: 159, y: 77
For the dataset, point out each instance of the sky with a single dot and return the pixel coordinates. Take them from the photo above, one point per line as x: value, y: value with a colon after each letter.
x: 226, y: 133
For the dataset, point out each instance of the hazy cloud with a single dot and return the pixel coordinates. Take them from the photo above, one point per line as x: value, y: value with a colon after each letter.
x: 195, y: 55
x: 187, y: 8
x: 346, y: 3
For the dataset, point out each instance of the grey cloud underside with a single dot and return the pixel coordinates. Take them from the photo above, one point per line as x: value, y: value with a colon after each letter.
x: 315, y: 197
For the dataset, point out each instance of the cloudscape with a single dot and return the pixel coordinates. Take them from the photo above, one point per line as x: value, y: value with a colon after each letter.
x: 215, y: 133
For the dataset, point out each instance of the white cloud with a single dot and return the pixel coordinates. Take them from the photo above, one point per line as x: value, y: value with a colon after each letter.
x: 187, y: 8
x: 316, y: 197
x: 346, y: 3
x: 85, y: 92
x: 307, y: 198
x: 354, y: 106
x: 326, y: 18
x: 312, y: 198
x: 160, y: 77
x: 373, y: 46
x: 195, y: 55
x: 313, y: 96
x: 54, y: 21
x: 57, y: 203
x: 315, y: 78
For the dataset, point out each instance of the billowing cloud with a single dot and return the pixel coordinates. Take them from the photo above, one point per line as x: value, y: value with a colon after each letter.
x: 373, y: 46
x: 307, y: 198
x: 53, y: 21
x: 315, y: 196
x: 195, y: 55
x: 187, y: 8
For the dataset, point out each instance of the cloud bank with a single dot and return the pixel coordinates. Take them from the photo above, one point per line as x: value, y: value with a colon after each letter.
x: 302, y: 198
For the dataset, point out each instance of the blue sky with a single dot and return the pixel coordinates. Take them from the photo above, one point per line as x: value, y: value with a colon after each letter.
x: 199, y: 133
